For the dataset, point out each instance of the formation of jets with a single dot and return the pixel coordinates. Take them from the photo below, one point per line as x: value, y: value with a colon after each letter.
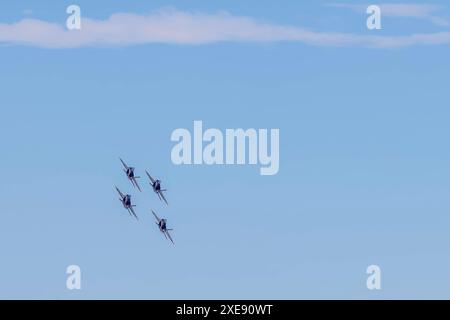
x: 125, y: 199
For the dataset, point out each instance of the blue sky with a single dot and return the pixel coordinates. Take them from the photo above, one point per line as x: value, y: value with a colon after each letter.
x: 364, y: 167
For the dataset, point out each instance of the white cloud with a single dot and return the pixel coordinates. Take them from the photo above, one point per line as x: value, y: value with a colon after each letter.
x: 179, y: 27
x: 404, y: 10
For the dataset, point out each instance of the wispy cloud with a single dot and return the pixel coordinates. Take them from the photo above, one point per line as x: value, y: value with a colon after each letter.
x: 404, y: 10
x: 180, y: 27
x: 27, y: 12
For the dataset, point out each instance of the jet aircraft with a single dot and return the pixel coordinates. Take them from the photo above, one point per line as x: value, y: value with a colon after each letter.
x: 162, y: 224
x: 129, y: 171
x: 156, y: 185
x: 126, y: 202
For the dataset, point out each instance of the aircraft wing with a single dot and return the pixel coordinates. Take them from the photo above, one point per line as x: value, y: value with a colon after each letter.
x: 134, y: 213
x: 150, y: 177
x: 126, y: 167
x: 157, y: 218
x: 121, y: 194
x: 168, y: 235
x: 164, y: 198
x: 136, y: 184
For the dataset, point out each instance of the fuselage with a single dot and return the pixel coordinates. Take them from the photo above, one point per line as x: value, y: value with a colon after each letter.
x: 157, y: 186
x: 162, y: 225
x: 130, y: 173
x: 126, y: 201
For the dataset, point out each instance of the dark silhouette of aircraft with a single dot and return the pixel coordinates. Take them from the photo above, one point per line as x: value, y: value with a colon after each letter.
x: 156, y: 185
x: 126, y: 201
x: 129, y: 171
x: 162, y: 224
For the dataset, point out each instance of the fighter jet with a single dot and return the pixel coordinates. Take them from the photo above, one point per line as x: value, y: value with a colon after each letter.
x: 129, y: 171
x: 156, y: 185
x: 162, y: 224
x: 126, y: 201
